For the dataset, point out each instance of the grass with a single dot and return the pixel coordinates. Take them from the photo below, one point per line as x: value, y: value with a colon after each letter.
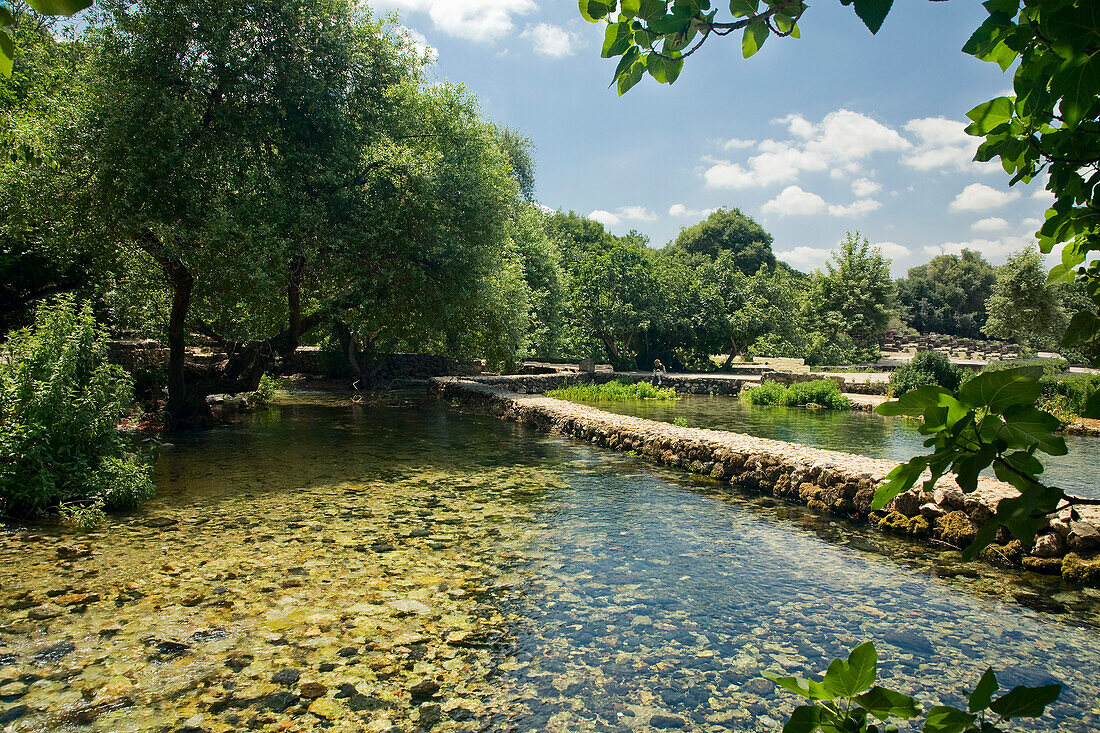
x: 819, y: 393
x: 616, y: 391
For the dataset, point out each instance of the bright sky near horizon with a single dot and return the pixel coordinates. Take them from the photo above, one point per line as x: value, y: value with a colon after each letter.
x: 839, y: 130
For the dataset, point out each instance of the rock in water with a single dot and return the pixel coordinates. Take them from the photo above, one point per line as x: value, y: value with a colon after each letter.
x: 667, y: 722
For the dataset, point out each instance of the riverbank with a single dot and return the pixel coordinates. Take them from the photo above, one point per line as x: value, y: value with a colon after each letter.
x: 829, y: 481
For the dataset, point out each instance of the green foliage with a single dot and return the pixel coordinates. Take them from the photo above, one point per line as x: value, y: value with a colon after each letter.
x: 60, y: 402
x: 680, y: 422
x: 847, y: 699
x: 855, y: 296
x: 1023, y: 308
x: 990, y: 420
x: 948, y: 294
x: 82, y: 518
x: 266, y: 390
x: 8, y: 18
x: 1047, y: 366
x: 733, y: 232
x: 614, y: 391
x: 926, y: 369
x: 1069, y: 394
x: 817, y: 392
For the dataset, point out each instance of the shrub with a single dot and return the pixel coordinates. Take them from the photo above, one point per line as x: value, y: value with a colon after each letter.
x: 616, y: 391
x: 1068, y: 393
x: 926, y: 369
x: 819, y: 392
x: 265, y: 392
x: 60, y: 402
x: 1050, y: 366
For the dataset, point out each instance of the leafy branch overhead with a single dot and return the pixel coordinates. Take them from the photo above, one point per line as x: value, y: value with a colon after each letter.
x: 847, y: 699
x: 1049, y: 126
x: 45, y: 7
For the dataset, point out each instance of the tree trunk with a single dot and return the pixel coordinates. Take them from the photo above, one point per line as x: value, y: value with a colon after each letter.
x: 179, y: 406
x: 733, y: 352
x: 294, y: 304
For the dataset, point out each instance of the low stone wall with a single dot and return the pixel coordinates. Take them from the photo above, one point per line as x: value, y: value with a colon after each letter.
x: 684, y: 383
x: 828, y: 481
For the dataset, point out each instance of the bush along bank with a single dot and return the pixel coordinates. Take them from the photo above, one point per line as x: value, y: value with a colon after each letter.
x: 616, y: 391
x: 60, y: 405
x: 817, y: 393
x: 828, y: 481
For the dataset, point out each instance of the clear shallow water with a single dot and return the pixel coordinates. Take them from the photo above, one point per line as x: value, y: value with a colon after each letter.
x: 542, y: 584
x: 853, y: 431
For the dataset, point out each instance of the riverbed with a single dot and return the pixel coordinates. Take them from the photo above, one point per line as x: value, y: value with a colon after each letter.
x: 395, y: 564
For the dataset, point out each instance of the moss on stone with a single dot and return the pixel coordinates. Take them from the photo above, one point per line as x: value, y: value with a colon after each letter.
x: 955, y: 528
x: 900, y: 524
x: 1010, y: 554
x: 1078, y: 570
x: 1044, y: 565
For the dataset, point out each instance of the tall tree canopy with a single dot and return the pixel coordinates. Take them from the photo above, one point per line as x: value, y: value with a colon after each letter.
x: 733, y: 232
x: 948, y: 294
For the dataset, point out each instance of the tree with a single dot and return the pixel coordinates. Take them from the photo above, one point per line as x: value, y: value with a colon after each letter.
x: 948, y: 294
x: 1050, y: 126
x: 9, y: 15
x: 855, y: 295
x: 729, y: 230
x: 1023, y: 308
x: 750, y: 307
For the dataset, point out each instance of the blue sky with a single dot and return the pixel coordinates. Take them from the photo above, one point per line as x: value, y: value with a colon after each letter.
x: 839, y: 130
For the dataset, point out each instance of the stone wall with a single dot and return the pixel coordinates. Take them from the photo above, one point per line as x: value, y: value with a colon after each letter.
x: 828, y: 481
x: 954, y: 346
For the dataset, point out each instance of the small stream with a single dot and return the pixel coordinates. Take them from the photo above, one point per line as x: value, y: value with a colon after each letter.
x: 397, y: 565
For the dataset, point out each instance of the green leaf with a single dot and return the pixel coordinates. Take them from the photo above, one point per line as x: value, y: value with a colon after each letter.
x: 59, y: 7
x: 6, y: 17
x: 616, y: 39
x: 804, y: 719
x: 744, y: 8
x: 1083, y: 327
x: 914, y: 402
x: 1027, y: 425
x: 872, y: 12
x: 884, y: 704
x: 983, y: 693
x: 899, y: 480
x: 945, y: 719
x: 663, y: 69
x: 593, y: 11
x: 7, y: 53
x: 1000, y: 390
x: 755, y: 35
x: 848, y: 678
x: 990, y: 115
x: 810, y: 689
x: 1026, y: 702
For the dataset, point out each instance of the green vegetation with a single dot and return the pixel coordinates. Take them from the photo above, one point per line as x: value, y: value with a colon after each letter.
x: 926, y: 368
x: 846, y: 698
x: 614, y: 391
x: 815, y: 393
x: 60, y: 403
x: 948, y: 295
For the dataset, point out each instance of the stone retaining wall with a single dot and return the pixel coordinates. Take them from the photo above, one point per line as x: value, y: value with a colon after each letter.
x: 686, y: 384
x: 829, y: 481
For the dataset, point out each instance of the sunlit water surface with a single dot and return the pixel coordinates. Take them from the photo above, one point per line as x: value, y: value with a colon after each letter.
x: 364, y: 553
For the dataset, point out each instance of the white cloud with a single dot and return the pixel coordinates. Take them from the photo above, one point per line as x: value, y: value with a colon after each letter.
x: 793, y: 201
x: 893, y: 250
x: 623, y: 213
x: 805, y: 257
x: 474, y: 20
x: 552, y: 40
x: 638, y: 213
x: 838, y: 143
x: 736, y: 144
x: 992, y: 224
x: 420, y: 42
x: 856, y: 208
x: 604, y: 217
x: 864, y: 187
x: 992, y: 249
x: 980, y: 197
x: 1032, y: 223
x: 682, y: 212
x: 943, y: 143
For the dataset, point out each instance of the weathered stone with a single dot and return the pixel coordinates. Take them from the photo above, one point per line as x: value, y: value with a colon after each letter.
x: 312, y: 690
x: 931, y: 511
x: 45, y: 611
x: 424, y: 689
x: 327, y: 708
x: 409, y: 607
x: 1050, y: 544
x: 1083, y: 536
x: 908, y: 502
x: 955, y: 528
x: 286, y: 676
x: 667, y: 722
x: 280, y: 701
